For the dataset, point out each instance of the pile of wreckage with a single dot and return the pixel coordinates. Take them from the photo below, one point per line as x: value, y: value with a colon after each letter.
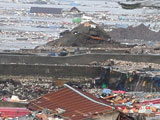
x: 87, y: 34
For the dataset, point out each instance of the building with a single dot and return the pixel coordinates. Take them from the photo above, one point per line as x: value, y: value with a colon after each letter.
x: 46, y: 10
x: 75, y: 10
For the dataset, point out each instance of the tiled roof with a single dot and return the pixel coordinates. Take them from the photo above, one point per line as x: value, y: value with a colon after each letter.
x: 76, y: 105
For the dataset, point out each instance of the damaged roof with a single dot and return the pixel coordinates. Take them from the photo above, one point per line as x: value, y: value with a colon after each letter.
x: 76, y: 103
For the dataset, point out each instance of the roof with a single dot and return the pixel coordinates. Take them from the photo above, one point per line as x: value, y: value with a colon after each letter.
x: 73, y: 9
x: 46, y: 10
x: 13, y: 111
x: 78, y: 104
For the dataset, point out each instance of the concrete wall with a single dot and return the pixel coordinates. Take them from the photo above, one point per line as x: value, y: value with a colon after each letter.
x: 78, y: 59
x: 50, y: 70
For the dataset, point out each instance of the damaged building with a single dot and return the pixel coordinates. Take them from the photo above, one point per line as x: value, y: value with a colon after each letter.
x: 74, y: 104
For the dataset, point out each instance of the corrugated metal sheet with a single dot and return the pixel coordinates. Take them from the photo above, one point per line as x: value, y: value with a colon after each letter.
x: 77, y: 107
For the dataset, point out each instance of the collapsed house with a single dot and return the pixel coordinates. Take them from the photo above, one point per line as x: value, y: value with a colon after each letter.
x: 75, y: 104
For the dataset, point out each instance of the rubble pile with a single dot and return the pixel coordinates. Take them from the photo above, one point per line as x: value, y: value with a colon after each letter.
x: 140, y: 32
x: 133, y: 76
x: 138, y: 104
x: 87, y: 34
x: 44, y: 114
x: 129, y: 103
x: 129, y: 66
x: 25, y: 90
